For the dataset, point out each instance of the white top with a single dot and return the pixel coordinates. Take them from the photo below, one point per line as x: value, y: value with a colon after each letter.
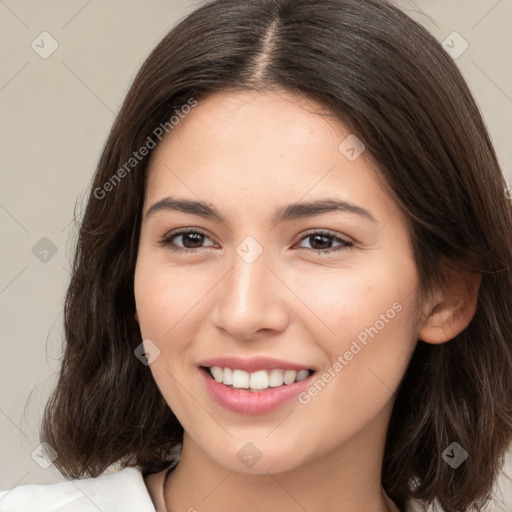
x: 116, y: 492
x: 124, y: 491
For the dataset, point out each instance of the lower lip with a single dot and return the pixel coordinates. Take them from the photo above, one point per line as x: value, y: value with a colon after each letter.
x: 246, y: 402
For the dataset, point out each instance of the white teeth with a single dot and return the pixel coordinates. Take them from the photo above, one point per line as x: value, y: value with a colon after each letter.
x: 289, y: 376
x: 261, y: 379
x: 228, y: 376
x: 302, y: 375
x: 276, y: 378
x: 240, y: 379
x: 217, y: 373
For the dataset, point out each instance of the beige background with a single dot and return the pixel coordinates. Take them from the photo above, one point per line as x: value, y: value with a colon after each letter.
x: 56, y: 113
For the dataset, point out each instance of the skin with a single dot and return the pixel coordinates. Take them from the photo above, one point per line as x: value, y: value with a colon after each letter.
x: 247, y: 154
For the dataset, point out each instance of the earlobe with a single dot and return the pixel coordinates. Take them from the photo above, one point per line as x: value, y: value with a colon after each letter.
x: 452, y: 308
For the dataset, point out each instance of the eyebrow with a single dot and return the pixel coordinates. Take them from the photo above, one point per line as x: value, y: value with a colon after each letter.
x: 289, y: 212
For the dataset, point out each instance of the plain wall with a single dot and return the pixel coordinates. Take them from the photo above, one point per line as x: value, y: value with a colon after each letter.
x: 56, y: 113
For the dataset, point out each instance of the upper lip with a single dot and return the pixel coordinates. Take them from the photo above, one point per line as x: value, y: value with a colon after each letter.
x: 252, y: 364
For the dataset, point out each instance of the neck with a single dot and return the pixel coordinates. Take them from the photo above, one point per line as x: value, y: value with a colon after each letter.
x: 347, y: 479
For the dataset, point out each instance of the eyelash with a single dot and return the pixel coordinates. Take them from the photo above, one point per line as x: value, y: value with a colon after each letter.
x: 345, y: 244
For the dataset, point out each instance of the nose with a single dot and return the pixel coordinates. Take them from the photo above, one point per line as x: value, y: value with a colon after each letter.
x: 251, y: 300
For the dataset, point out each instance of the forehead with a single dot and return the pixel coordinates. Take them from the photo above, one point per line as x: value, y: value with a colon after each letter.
x: 251, y: 126
x: 279, y: 119
x: 245, y: 146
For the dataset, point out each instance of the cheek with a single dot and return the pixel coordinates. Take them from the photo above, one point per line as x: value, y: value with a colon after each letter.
x: 165, y: 296
x: 366, y: 360
x: 349, y: 301
x: 369, y: 318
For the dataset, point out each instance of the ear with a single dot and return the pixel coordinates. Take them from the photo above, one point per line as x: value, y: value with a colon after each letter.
x: 136, y: 316
x: 451, y: 308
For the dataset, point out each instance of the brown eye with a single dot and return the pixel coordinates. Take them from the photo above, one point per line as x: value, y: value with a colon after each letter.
x: 322, y: 242
x: 190, y: 240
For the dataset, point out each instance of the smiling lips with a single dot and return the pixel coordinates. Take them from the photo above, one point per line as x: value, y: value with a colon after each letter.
x: 256, y: 385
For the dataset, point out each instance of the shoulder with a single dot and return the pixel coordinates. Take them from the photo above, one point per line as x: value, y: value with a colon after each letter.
x: 112, y: 492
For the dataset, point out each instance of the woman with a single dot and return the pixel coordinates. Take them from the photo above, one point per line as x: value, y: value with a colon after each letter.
x: 292, y: 284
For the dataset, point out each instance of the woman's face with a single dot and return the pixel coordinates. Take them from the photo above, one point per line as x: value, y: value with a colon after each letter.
x: 290, y: 256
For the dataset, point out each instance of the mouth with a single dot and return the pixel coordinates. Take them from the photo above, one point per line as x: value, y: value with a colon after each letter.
x: 254, y: 385
x: 256, y: 381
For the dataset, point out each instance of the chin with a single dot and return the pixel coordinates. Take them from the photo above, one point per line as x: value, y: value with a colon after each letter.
x: 259, y: 458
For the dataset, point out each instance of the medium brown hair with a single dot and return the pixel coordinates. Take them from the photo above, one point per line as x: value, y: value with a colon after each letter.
x: 391, y: 83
